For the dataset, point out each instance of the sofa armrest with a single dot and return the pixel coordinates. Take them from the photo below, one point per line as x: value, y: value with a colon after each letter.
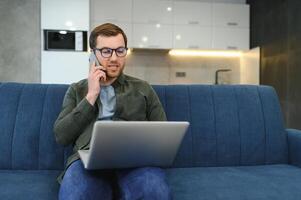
x: 294, y: 146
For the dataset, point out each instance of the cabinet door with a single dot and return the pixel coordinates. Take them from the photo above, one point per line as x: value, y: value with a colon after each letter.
x: 231, y: 15
x: 231, y: 38
x: 191, y: 37
x: 126, y: 27
x: 155, y: 11
x: 69, y: 15
x: 189, y: 12
x: 152, y: 36
x: 104, y: 10
x: 230, y: 1
x: 205, y: 1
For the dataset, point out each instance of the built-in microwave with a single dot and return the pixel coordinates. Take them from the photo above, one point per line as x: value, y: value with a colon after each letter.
x: 65, y: 40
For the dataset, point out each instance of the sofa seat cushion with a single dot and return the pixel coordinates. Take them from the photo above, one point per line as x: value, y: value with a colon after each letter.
x: 27, y: 184
x: 234, y: 183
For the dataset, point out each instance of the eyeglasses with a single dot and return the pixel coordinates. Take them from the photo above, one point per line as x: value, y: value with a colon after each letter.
x: 108, y: 52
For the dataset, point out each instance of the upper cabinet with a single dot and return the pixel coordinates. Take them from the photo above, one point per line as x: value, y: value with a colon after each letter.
x: 230, y: 24
x: 105, y: 10
x: 192, y: 25
x: 152, y: 36
x: 230, y: 38
x: 192, y: 13
x: 152, y: 24
x: 192, y: 37
x: 69, y: 15
x: 155, y: 11
x: 231, y: 15
x: 185, y: 24
x: 229, y: 1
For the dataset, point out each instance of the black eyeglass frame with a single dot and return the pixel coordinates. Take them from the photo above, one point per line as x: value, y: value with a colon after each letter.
x: 112, y: 50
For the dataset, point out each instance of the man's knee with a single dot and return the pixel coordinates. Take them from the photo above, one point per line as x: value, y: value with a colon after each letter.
x: 156, y: 186
x: 145, y: 183
x: 80, y: 184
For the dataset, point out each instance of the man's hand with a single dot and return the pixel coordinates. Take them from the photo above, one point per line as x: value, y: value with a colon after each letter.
x: 96, y: 74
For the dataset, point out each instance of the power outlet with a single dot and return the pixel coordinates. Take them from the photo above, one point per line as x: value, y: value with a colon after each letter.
x: 181, y: 74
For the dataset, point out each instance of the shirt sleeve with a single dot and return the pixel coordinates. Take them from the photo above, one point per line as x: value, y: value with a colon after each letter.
x: 73, y: 118
x: 155, y: 111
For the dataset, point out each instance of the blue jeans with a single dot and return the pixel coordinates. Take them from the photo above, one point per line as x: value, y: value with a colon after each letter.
x: 148, y: 183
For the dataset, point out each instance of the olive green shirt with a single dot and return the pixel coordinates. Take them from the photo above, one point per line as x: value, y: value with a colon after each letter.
x: 135, y: 101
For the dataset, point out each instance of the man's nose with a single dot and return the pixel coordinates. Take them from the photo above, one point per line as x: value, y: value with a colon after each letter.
x: 114, y: 56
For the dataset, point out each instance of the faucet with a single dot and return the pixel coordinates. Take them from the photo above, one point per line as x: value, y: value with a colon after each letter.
x: 217, y: 73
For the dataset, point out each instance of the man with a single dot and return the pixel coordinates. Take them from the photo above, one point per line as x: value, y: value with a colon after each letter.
x: 107, y: 94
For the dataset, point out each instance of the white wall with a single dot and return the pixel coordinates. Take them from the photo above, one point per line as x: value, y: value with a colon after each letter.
x: 158, y: 67
x: 64, y: 66
x: 249, y: 67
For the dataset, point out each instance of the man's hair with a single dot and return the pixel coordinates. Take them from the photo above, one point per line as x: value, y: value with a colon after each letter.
x: 106, y: 30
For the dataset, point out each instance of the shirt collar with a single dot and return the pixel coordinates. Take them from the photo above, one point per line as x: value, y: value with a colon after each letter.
x: 120, y: 80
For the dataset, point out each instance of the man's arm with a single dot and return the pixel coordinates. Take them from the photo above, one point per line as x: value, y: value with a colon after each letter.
x: 73, y: 118
x: 155, y: 111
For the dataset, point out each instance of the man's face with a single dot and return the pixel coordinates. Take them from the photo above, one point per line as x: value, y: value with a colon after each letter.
x: 114, y: 65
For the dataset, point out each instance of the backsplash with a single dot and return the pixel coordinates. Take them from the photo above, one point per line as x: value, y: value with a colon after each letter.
x: 158, y: 67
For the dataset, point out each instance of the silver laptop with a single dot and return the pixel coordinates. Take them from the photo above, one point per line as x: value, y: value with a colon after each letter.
x: 125, y: 144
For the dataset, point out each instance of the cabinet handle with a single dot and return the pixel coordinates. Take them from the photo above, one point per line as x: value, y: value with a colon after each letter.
x: 153, y: 21
x: 232, y: 24
x: 193, y: 22
x: 232, y: 47
x: 153, y: 46
x: 112, y: 20
x: 193, y: 47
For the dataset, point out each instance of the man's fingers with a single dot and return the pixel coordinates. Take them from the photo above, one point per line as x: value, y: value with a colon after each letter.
x: 103, y: 76
x: 100, y: 75
x: 101, y: 68
x: 92, y: 66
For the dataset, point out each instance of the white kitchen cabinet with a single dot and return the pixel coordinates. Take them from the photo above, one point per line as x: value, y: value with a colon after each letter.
x: 231, y: 15
x: 69, y: 15
x: 230, y: 1
x: 126, y: 27
x: 104, y: 10
x: 192, y: 12
x: 230, y: 38
x: 192, y: 37
x: 153, y: 12
x: 206, y: 1
x: 164, y: 24
x: 64, y: 67
x: 151, y: 36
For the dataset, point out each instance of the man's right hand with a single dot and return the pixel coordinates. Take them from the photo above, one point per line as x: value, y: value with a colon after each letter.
x: 96, y: 74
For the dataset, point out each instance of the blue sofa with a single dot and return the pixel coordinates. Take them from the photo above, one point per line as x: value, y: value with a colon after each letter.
x: 236, y: 146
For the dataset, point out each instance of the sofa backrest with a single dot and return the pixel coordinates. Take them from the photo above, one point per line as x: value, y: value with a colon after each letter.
x: 230, y: 125
x: 27, y: 114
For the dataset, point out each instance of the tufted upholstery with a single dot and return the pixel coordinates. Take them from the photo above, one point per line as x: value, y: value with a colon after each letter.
x: 236, y: 134
x: 230, y: 125
x: 28, y: 112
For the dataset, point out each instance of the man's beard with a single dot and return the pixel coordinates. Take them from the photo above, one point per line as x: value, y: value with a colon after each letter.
x: 119, y: 70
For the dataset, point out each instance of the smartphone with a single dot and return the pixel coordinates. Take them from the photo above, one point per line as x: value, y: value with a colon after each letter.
x: 93, y: 58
